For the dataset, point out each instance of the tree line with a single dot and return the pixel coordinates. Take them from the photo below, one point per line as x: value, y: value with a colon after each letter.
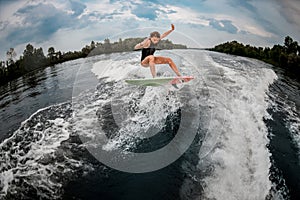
x: 34, y: 58
x: 286, y: 56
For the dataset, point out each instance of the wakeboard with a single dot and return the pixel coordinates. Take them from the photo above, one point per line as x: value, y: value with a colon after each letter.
x: 159, y: 81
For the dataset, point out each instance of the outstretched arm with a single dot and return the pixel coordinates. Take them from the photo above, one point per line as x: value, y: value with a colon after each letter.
x: 168, y: 32
x: 142, y: 44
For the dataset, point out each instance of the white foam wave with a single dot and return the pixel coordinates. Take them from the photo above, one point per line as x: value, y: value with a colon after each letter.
x: 120, y: 67
x: 237, y: 165
x: 31, y: 153
x: 151, y: 109
x: 151, y: 112
x: 138, y: 113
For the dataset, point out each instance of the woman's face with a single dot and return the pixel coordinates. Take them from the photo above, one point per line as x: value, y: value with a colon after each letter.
x: 155, y: 39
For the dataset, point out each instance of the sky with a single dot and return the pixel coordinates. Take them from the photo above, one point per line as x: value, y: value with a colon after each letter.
x: 69, y: 25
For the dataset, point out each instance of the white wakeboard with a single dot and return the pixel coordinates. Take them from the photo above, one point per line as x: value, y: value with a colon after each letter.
x: 159, y: 81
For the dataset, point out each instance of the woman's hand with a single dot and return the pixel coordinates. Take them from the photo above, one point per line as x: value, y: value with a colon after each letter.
x: 168, y: 32
x: 173, y: 27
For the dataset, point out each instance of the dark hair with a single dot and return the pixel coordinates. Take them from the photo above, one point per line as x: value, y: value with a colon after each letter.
x: 155, y: 34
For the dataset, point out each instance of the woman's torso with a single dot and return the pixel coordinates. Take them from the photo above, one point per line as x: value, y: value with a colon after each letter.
x: 148, y: 50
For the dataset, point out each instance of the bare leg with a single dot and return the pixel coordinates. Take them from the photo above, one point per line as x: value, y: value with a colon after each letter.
x: 165, y: 60
x: 150, y: 61
x: 152, y: 66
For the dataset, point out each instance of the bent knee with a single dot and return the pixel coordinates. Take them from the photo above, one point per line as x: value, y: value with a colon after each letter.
x: 144, y: 65
x: 151, y: 58
x: 168, y: 60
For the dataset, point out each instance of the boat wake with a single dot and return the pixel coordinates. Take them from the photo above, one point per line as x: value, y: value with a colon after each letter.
x: 215, y: 123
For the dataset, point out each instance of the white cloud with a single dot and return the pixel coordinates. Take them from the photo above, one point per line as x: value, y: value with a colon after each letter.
x: 185, y: 15
x: 206, y: 22
x: 182, y: 15
x: 7, y: 13
x: 291, y: 11
x: 286, y: 18
x: 106, y: 10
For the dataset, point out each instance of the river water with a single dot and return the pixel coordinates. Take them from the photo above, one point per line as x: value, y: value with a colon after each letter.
x: 238, y: 119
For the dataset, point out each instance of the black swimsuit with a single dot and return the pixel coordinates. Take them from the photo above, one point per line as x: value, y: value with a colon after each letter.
x: 148, y: 51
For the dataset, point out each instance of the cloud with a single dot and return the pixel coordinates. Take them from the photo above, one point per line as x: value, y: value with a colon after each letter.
x: 146, y: 10
x: 36, y: 22
x: 71, y: 24
x: 77, y: 7
x: 40, y: 22
x: 110, y: 11
x: 290, y: 9
x: 223, y: 25
x: 183, y: 15
x: 222, y: 15
x: 245, y: 4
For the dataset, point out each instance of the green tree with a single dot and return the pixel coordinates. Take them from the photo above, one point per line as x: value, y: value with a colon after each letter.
x: 286, y: 56
x: 39, y: 55
x: 86, y: 50
x: 275, y: 52
x: 52, y: 55
x: 290, y: 45
x: 32, y: 58
x: 107, y: 46
x: 2, y: 68
x: 93, y: 45
x: 28, y: 52
x: 11, y: 54
x: 51, y: 52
